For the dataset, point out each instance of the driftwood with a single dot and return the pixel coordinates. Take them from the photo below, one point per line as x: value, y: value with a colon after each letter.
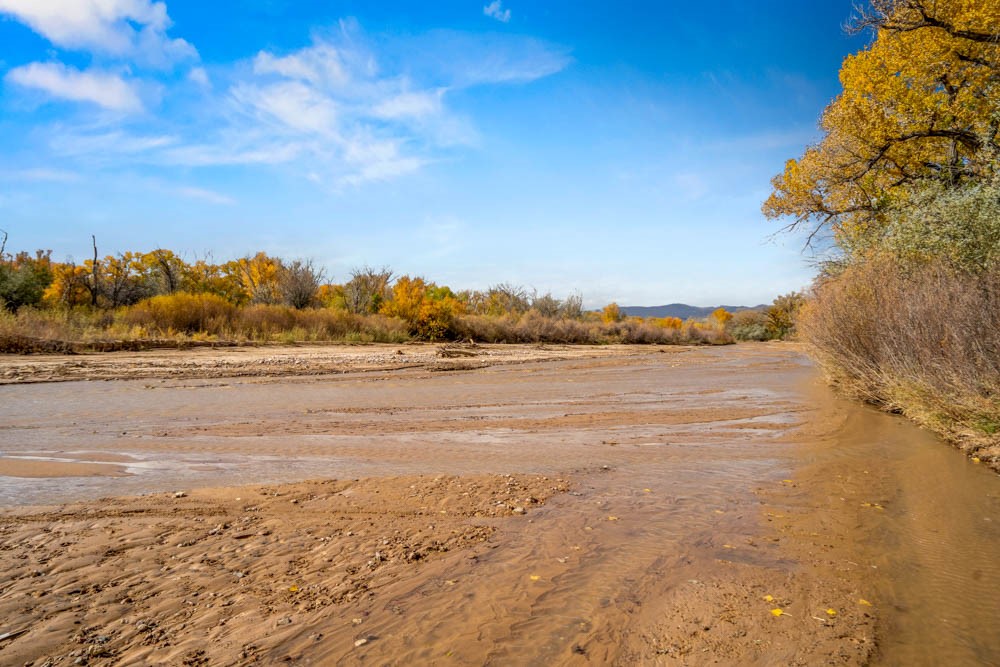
x: 453, y: 352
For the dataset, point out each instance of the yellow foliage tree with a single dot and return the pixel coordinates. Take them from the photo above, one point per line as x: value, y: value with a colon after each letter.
x: 68, y: 286
x: 612, y: 313
x: 721, y: 316
x: 429, y: 310
x: 408, y: 295
x: 921, y: 102
x: 331, y: 296
x: 257, y: 278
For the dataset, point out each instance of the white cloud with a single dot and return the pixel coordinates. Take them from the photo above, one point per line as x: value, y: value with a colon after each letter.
x: 125, y: 28
x: 294, y: 105
x: 372, y: 159
x: 495, y: 10
x: 107, y: 145
x: 199, y: 76
x: 320, y: 65
x: 45, y: 174
x: 462, y: 60
x: 102, y: 88
x: 343, y: 110
x: 235, y: 148
x: 413, y: 105
x: 209, y: 196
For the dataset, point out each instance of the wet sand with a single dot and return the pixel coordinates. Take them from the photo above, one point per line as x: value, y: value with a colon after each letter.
x: 591, y: 506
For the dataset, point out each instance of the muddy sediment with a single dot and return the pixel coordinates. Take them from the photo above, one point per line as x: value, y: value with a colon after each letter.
x: 543, y: 506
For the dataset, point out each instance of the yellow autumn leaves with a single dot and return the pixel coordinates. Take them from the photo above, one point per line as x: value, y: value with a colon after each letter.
x: 917, y: 103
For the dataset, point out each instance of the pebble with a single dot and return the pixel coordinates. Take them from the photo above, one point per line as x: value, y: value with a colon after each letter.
x: 179, y: 494
x: 360, y: 642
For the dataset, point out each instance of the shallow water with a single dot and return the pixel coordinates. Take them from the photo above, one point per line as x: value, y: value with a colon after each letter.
x: 671, y: 451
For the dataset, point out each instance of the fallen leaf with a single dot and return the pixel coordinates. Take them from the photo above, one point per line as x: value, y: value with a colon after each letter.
x: 293, y: 589
x: 534, y: 577
x: 769, y: 598
x: 831, y: 612
x: 864, y: 602
x: 777, y: 612
x: 612, y: 518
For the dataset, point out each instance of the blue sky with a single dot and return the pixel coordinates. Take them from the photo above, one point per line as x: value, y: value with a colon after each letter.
x: 618, y: 150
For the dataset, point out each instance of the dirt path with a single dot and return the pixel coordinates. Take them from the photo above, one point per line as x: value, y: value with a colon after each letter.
x: 613, y: 506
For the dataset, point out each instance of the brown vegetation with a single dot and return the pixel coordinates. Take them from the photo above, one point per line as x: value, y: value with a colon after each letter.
x: 923, y: 341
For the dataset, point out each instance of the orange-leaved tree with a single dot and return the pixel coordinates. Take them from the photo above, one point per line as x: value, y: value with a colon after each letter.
x: 429, y: 310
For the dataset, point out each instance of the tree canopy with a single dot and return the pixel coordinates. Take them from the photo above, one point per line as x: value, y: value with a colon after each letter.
x: 920, y: 104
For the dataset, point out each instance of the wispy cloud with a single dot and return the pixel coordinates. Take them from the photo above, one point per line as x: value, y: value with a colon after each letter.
x: 42, y: 174
x: 291, y: 104
x: 343, y: 107
x: 495, y: 10
x: 410, y: 105
x: 104, y: 89
x: 321, y: 64
x: 107, y: 145
x: 134, y: 29
x: 209, y: 196
x: 199, y: 76
x: 344, y: 110
x: 463, y: 60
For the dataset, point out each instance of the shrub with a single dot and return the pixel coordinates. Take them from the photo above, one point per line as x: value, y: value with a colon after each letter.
x: 922, y: 339
x: 24, y: 279
x: 782, y: 315
x: 182, y: 312
x: 612, y: 313
x: 749, y: 325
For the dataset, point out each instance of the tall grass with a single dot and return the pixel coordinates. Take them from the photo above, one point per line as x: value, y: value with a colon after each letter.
x: 923, y: 340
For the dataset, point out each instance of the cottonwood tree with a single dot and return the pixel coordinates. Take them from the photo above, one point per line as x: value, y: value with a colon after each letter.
x: 504, y: 298
x: 123, y: 280
x: 257, y: 277
x: 546, y: 305
x: 920, y: 104
x: 367, y: 289
x: 298, y: 283
x: 572, y: 307
x: 165, y: 271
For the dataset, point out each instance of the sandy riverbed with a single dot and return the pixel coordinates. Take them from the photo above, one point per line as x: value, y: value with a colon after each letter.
x: 554, y: 505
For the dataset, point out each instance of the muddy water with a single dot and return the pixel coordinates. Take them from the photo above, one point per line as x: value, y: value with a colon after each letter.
x: 935, y: 539
x: 940, y: 547
x: 679, y: 462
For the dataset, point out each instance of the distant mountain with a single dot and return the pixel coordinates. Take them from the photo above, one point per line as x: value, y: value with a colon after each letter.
x: 681, y: 310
